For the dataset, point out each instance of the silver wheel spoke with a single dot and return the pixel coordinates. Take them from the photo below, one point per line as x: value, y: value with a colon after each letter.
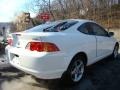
x: 73, y: 72
x: 76, y: 64
x: 76, y: 77
x: 79, y: 66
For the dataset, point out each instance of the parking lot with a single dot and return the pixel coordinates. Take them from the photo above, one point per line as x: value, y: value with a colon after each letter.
x: 104, y: 75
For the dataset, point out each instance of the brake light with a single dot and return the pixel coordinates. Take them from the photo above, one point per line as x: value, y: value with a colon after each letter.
x: 42, y: 46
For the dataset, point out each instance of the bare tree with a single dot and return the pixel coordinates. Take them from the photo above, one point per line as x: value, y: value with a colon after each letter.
x: 99, y: 10
x: 20, y: 23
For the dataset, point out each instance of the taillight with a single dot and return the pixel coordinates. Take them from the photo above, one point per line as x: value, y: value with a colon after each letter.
x: 42, y: 47
x: 10, y: 41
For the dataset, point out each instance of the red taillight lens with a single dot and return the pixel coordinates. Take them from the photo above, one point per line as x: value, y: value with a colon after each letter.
x: 42, y: 46
x: 10, y: 41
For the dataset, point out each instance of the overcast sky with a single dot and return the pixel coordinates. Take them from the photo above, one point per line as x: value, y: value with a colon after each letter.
x: 9, y: 8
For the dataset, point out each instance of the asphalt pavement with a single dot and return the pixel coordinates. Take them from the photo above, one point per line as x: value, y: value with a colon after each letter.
x: 103, y: 75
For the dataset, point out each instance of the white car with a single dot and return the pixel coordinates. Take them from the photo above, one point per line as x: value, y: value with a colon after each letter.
x: 59, y: 48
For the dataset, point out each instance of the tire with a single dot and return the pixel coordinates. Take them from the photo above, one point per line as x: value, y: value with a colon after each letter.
x: 115, y: 52
x: 75, y: 72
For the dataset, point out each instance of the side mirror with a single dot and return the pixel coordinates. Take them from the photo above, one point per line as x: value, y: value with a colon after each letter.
x: 111, y: 34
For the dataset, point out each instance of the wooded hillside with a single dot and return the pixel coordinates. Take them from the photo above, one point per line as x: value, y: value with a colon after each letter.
x: 106, y: 12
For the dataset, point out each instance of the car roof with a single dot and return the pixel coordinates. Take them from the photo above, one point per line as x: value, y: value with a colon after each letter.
x: 79, y: 20
x: 48, y: 24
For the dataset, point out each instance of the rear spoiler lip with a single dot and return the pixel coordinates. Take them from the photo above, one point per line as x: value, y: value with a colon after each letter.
x: 38, y: 33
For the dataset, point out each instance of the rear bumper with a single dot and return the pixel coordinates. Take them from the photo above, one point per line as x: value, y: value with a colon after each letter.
x: 40, y: 64
x: 39, y: 74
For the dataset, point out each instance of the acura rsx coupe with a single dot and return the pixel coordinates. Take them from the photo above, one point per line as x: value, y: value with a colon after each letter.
x: 63, y: 47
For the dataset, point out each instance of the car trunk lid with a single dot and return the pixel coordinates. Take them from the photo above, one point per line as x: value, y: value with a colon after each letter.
x: 20, y: 40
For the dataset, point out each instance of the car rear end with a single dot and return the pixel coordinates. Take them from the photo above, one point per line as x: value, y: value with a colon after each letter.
x: 29, y: 53
x: 43, y: 51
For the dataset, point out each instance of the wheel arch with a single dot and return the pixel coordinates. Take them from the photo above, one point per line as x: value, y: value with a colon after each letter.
x: 82, y: 55
x: 65, y: 76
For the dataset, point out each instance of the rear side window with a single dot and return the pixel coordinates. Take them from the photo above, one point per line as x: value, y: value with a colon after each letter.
x: 60, y: 27
x: 85, y: 28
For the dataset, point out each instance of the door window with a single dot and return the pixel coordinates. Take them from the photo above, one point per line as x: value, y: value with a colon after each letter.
x: 98, y: 30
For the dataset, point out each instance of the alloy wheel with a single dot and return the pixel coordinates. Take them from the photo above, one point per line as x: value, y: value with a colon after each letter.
x: 77, y: 70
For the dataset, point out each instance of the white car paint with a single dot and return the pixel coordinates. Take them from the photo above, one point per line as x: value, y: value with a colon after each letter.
x: 50, y: 65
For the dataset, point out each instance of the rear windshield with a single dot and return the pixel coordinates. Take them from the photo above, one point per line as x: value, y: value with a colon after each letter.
x: 60, y: 27
x: 56, y: 26
x: 41, y: 27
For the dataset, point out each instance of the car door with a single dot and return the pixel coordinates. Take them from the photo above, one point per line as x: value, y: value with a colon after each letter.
x: 104, y: 42
x: 89, y: 41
